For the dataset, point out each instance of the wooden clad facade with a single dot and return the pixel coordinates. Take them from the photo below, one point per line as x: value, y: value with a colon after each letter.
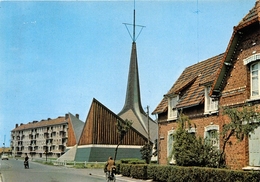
x: 100, y: 128
x: 71, y: 135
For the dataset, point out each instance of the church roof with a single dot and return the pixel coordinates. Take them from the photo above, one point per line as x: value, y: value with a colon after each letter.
x: 77, y: 126
x: 101, y: 128
x: 133, y: 109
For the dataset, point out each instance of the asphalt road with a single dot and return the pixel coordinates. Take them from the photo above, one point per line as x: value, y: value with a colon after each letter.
x: 12, y: 170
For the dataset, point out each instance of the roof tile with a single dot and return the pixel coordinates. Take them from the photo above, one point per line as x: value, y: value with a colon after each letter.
x: 59, y: 120
x: 191, y: 82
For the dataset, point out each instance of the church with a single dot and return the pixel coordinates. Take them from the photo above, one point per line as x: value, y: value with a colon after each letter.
x: 99, y: 137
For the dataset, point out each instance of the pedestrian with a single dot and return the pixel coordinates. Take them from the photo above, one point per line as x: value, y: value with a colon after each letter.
x: 26, y: 161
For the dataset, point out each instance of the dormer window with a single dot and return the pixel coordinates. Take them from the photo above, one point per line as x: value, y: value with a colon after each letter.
x: 211, y: 106
x: 172, y: 110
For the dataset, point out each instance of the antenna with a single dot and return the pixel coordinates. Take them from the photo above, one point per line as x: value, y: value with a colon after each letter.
x: 134, y: 25
x: 197, y: 12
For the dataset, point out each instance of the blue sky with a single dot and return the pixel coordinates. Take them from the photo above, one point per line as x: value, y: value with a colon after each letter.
x: 56, y: 56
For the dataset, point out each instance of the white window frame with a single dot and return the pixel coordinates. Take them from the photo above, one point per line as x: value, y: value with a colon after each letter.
x: 254, y: 60
x: 211, y: 106
x: 208, y: 130
x: 255, y: 78
x: 172, y: 110
x: 254, y: 148
x: 170, y: 141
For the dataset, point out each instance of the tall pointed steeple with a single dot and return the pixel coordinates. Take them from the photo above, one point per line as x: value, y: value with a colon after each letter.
x: 133, y: 96
x: 133, y: 109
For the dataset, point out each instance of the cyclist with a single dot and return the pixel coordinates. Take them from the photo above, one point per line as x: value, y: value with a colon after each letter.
x: 110, y: 167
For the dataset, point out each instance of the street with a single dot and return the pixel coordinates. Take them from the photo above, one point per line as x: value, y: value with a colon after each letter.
x: 12, y: 170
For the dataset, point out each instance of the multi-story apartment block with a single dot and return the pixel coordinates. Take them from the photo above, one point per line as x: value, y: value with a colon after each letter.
x: 50, y: 136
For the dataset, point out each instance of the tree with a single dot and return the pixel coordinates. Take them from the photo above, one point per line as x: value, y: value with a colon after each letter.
x: 146, y: 152
x: 122, y: 129
x: 188, y: 150
x: 242, y: 123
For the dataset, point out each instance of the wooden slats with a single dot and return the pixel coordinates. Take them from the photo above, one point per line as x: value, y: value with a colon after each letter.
x: 100, y: 128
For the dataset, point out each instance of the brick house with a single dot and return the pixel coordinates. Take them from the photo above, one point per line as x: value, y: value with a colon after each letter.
x: 229, y: 79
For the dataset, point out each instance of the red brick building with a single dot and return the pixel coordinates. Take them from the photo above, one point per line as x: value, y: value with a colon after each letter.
x: 229, y: 79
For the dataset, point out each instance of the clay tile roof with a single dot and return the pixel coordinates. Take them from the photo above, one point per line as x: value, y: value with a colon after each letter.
x: 252, y: 16
x: 190, y: 84
x: 35, y: 124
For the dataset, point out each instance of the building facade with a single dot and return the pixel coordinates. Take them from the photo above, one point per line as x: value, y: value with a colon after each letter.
x: 46, y: 137
x: 230, y: 79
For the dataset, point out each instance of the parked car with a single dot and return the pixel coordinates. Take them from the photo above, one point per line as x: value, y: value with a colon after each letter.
x: 4, y: 157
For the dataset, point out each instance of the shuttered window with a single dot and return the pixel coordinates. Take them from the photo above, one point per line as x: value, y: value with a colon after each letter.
x: 211, y: 106
x: 211, y: 135
x: 172, y: 111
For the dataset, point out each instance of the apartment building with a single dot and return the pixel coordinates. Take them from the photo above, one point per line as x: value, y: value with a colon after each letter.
x: 43, y: 138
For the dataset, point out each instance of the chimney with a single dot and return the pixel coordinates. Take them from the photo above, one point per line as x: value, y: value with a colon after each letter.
x: 77, y: 116
x: 16, y: 125
x: 66, y: 116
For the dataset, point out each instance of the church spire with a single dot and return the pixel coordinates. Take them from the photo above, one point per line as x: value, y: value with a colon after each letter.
x: 133, y: 98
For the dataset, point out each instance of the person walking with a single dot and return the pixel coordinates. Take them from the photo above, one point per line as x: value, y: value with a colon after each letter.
x: 26, y: 162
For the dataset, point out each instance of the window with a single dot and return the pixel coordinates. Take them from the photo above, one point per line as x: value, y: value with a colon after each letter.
x: 170, y: 141
x: 254, y: 148
x: 255, y: 80
x: 172, y: 111
x: 211, y: 106
x: 254, y: 63
x: 211, y: 135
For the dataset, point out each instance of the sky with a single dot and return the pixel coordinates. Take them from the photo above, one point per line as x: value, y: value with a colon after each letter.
x: 56, y: 56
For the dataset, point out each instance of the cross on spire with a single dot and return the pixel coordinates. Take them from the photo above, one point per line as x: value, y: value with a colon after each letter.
x: 133, y: 37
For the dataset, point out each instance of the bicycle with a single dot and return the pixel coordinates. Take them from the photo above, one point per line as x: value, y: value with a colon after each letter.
x: 110, y: 176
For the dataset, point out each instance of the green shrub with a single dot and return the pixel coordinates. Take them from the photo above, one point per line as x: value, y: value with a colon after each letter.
x: 139, y: 171
x: 132, y: 161
x: 184, y: 174
x: 125, y: 169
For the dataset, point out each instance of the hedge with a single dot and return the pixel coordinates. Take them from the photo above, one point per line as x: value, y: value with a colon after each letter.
x: 184, y: 174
